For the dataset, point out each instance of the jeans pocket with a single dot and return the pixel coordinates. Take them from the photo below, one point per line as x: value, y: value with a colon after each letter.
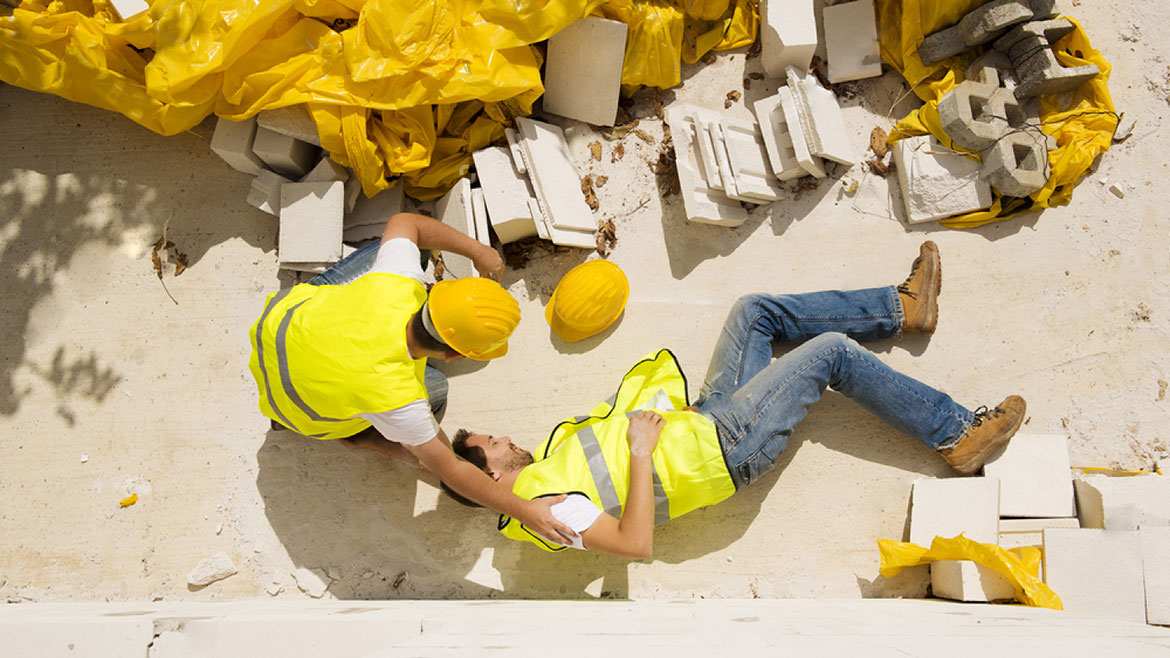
x: 762, y: 460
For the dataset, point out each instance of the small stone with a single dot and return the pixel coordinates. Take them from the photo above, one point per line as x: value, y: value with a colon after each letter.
x: 1124, y: 128
x: 311, y: 581
x: 156, y: 597
x: 367, y: 575
x: 730, y: 559
x: 84, y: 458
x: 211, y: 569
x: 218, y: 528
x: 1117, y: 191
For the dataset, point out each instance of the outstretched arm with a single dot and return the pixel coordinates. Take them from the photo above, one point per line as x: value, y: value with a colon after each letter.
x: 633, y: 535
x: 430, y: 233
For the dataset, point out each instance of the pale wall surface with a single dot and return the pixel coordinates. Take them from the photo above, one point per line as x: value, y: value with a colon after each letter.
x: 1067, y: 308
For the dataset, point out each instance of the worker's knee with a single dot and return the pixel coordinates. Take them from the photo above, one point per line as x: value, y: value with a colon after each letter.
x: 832, y: 340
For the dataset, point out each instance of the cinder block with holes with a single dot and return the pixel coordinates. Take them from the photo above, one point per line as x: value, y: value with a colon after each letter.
x: 979, y: 111
x: 1017, y: 165
x: 1029, y: 47
x: 978, y: 26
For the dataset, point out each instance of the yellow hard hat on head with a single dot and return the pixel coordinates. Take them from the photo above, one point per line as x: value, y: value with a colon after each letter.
x: 587, y: 300
x: 473, y: 316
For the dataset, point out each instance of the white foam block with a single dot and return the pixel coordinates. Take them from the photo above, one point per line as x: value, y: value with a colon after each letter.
x: 788, y: 35
x: 583, y: 70
x: 265, y: 192
x: 820, y: 118
x: 1155, y: 545
x: 723, y: 161
x: 964, y: 580
x: 1014, y: 533
x: 1123, y: 503
x: 232, y: 141
x: 292, y: 121
x: 1034, y: 476
x: 506, y: 194
x: 701, y: 203
x: 376, y: 210
x: 455, y: 210
x: 1096, y: 572
x: 555, y: 179
x: 947, y: 507
x: 851, y: 41
x: 777, y: 140
x: 708, y: 166
x: 749, y: 160
x: 937, y: 182
x: 128, y: 9
x: 809, y: 162
x: 286, y: 156
x: 310, y: 222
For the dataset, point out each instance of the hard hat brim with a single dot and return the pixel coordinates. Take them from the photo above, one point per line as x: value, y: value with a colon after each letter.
x: 567, y: 333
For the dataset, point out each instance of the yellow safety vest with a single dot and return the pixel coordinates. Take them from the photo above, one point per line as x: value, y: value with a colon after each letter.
x: 590, y: 455
x: 323, y: 354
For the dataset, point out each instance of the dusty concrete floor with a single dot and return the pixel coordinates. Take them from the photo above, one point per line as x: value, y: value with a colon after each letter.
x: 1067, y: 307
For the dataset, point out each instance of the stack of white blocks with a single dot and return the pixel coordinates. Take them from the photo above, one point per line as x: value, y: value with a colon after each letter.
x: 583, y: 70
x: 458, y: 209
x: 788, y: 37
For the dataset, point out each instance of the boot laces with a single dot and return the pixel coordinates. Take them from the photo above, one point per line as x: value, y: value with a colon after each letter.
x: 983, y: 413
x: 905, y: 287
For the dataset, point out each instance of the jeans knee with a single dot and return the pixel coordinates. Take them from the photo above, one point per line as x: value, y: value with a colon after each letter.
x: 747, y: 307
x: 832, y: 340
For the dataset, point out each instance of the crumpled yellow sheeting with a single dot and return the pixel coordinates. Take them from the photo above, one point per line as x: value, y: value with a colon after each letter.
x: 1020, y: 566
x: 1082, y: 121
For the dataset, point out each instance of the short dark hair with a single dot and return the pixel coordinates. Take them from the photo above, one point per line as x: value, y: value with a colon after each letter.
x: 473, y: 454
x: 422, y: 337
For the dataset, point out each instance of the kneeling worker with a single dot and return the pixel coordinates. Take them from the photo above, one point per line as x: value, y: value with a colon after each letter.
x: 349, y: 349
x: 646, y: 457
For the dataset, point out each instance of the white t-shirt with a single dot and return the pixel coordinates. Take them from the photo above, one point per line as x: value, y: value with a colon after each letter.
x: 412, y: 424
x: 577, y: 512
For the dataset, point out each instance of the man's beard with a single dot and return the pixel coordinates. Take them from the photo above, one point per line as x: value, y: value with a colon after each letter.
x: 517, y: 459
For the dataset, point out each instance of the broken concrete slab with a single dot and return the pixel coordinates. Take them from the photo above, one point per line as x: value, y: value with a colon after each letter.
x: 211, y: 569
x: 702, y: 204
x: 851, y: 41
x: 506, y: 193
x: 964, y: 580
x: 583, y: 70
x: 232, y: 141
x: 311, y: 221
x: 820, y: 118
x: 1017, y: 165
x: 788, y: 35
x: 980, y: 25
x: 1096, y: 572
x: 292, y: 121
x: 1034, y: 476
x: 455, y: 210
x: 1123, y: 503
x: 1155, y: 545
x: 748, y: 157
x: 283, y: 154
x: 950, y: 506
x: 809, y: 162
x: 937, y: 182
x: 265, y: 192
x: 777, y: 138
x: 554, y: 178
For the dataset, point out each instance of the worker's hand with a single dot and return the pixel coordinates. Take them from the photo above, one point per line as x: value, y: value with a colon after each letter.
x: 645, y: 428
x: 489, y: 263
x: 541, y: 520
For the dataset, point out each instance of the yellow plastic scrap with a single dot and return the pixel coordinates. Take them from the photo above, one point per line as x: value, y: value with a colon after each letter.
x: 1020, y: 566
x: 1082, y: 121
x: 128, y: 500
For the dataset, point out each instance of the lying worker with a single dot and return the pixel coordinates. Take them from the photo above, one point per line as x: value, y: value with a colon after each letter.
x: 626, y: 470
x: 348, y: 350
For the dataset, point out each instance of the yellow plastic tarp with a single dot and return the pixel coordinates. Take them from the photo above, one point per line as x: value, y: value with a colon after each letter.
x: 1020, y: 566
x: 1082, y: 121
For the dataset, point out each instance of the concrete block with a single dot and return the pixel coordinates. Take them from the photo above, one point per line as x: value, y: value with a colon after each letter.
x: 506, y: 193
x: 702, y: 204
x: 1018, y: 163
x: 1029, y: 46
x: 232, y: 141
x: 1034, y: 476
x: 964, y: 580
x: 285, y: 155
x: 820, y: 118
x: 1155, y: 545
x: 851, y: 41
x: 777, y: 138
x: 326, y: 170
x: 127, y: 9
x: 363, y: 232
x: 947, y: 507
x: 310, y: 222
x: 1014, y: 533
x: 1096, y: 572
x: 514, y: 147
x: 1123, y: 503
x: 1049, y: 31
x: 749, y: 160
x: 455, y: 210
x: 479, y: 216
x: 555, y: 179
x: 376, y: 210
x: 265, y: 192
x: 292, y: 121
x: 788, y: 35
x: 937, y: 182
x: 977, y: 112
x: 583, y: 70
x: 809, y: 162
x: 980, y: 25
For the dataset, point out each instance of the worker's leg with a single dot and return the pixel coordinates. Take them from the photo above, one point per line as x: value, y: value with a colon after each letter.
x: 436, y: 385
x: 757, y: 321
x: 755, y: 422
x: 355, y: 265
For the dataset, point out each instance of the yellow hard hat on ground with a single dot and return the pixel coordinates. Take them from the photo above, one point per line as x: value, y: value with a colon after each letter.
x: 587, y: 300
x: 473, y: 316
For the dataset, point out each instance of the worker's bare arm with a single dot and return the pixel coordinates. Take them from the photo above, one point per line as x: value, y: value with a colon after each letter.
x: 430, y: 233
x: 436, y: 456
x: 633, y: 535
x: 380, y: 444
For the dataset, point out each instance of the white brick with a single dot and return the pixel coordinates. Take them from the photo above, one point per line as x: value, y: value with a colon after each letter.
x: 947, y: 507
x: 514, y: 147
x: 127, y: 9
x: 964, y: 580
x: 557, y: 185
x: 265, y: 192
x: 326, y: 170
x: 1096, y: 572
x: 749, y: 161
x: 1155, y: 544
x: 788, y: 35
x: 479, y: 216
x: 809, y: 162
x: 583, y: 70
x: 310, y: 222
x: 820, y: 118
x: 286, y: 156
x: 1014, y: 533
x: 1034, y: 476
x: 455, y: 210
x: 363, y: 232
x: 851, y: 41
x: 701, y: 203
x: 1123, y: 503
x: 506, y: 193
x: 232, y: 141
x: 937, y: 182
x: 375, y: 211
x: 292, y: 121
x: 777, y: 140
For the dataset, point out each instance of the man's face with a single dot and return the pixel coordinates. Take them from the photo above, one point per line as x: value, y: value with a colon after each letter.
x: 503, y: 456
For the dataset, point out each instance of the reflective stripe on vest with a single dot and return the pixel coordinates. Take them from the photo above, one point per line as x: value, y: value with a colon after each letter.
x: 260, y: 357
x: 600, y: 471
x: 286, y: 377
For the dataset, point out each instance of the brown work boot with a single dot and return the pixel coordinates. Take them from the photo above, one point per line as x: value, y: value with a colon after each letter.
x: 919, y: 293
x: 989, y: 431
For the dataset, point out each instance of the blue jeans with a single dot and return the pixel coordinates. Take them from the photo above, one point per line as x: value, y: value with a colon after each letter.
x: 350, y: 269
x: 756, y: 403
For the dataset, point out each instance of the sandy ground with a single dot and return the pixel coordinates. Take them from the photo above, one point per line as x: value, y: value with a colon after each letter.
x: 107, y: 387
